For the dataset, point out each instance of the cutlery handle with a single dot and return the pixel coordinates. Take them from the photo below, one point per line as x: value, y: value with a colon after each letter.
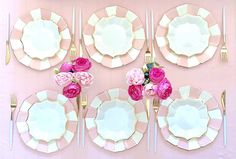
x: 78, y: 131
x: 8, y: 55
x: 153, y: 52
x: 155, y: 136
x: 224, y: 25
x: 83, y: 132
x: 147, y: 29
x: 80, y: 49
x: 225, y: 130
x: 11, y: 134
x: 148, y: 138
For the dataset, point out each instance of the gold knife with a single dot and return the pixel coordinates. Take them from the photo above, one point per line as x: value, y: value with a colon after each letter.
x: 223, y: 103
x: 8, y: 54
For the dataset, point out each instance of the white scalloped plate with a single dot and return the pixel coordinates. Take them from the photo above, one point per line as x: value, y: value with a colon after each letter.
x: 113, y: 36
x: 187, y: 118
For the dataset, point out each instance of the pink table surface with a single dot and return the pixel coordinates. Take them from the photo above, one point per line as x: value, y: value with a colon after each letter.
x: 213, y: 76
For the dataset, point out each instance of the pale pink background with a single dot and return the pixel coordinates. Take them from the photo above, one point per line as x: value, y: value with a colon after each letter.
x: 213, y: 76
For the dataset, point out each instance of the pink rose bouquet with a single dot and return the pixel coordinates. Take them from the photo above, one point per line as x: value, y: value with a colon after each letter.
x: 149, y: 81
x: 73, y: 75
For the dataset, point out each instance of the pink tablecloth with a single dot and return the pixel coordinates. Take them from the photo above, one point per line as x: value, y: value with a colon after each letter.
x: 213, y: 76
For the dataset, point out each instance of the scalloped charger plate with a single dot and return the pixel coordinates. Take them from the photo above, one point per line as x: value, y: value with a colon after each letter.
x: 32, y: 126
x: 40, y: 39
x: 115, y: 122
x: 198, y: 140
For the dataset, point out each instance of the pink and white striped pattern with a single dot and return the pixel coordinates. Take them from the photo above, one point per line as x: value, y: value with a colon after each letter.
x: 54, y: 145
x: 18, y: 47
x: 181, y: 60
x: 121, y: 145
x: 117, y: 61
x: 213, y: 112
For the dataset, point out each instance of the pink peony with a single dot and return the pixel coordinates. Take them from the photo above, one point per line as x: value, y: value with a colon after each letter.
x: 156, y: 75
x: 164, y: 89
x: 84, y: 78
x: 63, y: 78
x: 81, y: 65
x: 66, y: 67
x: 72, y: 90
x: 135, y: 77
x: 136, y: 92
x: 150, y: 89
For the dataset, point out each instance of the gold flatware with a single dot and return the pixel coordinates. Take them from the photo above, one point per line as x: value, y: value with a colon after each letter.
x: 8, y: 54
x: 13, y: 105
x: 78, y: 125
x: 84, y: 103
x: 73, y: 49
x: 147, y: 60
x: 224, y: 50
x: 223, y: 104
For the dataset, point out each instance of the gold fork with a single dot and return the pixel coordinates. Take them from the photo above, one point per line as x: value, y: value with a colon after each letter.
x: 156, y: 106
x: 223, y: 50
x: 84, y: 103
x: 13, y: 107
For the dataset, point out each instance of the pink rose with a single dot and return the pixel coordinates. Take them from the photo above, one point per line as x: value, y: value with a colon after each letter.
x: 164, y: 89
x: 72, y: 90
x: 156, y: 75
x: 66, y: 67
x: 84, y: 78
x: 63, y: 78
x: 81, y: 65
x: 136, y: 92
x: 150, y: 89
x: 135, y: 77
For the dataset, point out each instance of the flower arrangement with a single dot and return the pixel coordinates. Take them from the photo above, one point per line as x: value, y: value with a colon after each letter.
x: 72, y: 75
x: 149, y: 81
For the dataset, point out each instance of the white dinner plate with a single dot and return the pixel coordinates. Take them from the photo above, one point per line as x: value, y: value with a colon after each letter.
x: 47, y: 120
x: 113, y: 36
x: 41, y: 39
x: 188, y: 35
x: 119, y: 112
x: 187, y: 118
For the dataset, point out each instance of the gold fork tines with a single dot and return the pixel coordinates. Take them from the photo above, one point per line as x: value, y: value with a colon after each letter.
x: 224, y: 53
x: 84, y: 101
x: 13, y: 104
x: 148, y: 56
x: 73, y: 51
x: 156, y: 106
